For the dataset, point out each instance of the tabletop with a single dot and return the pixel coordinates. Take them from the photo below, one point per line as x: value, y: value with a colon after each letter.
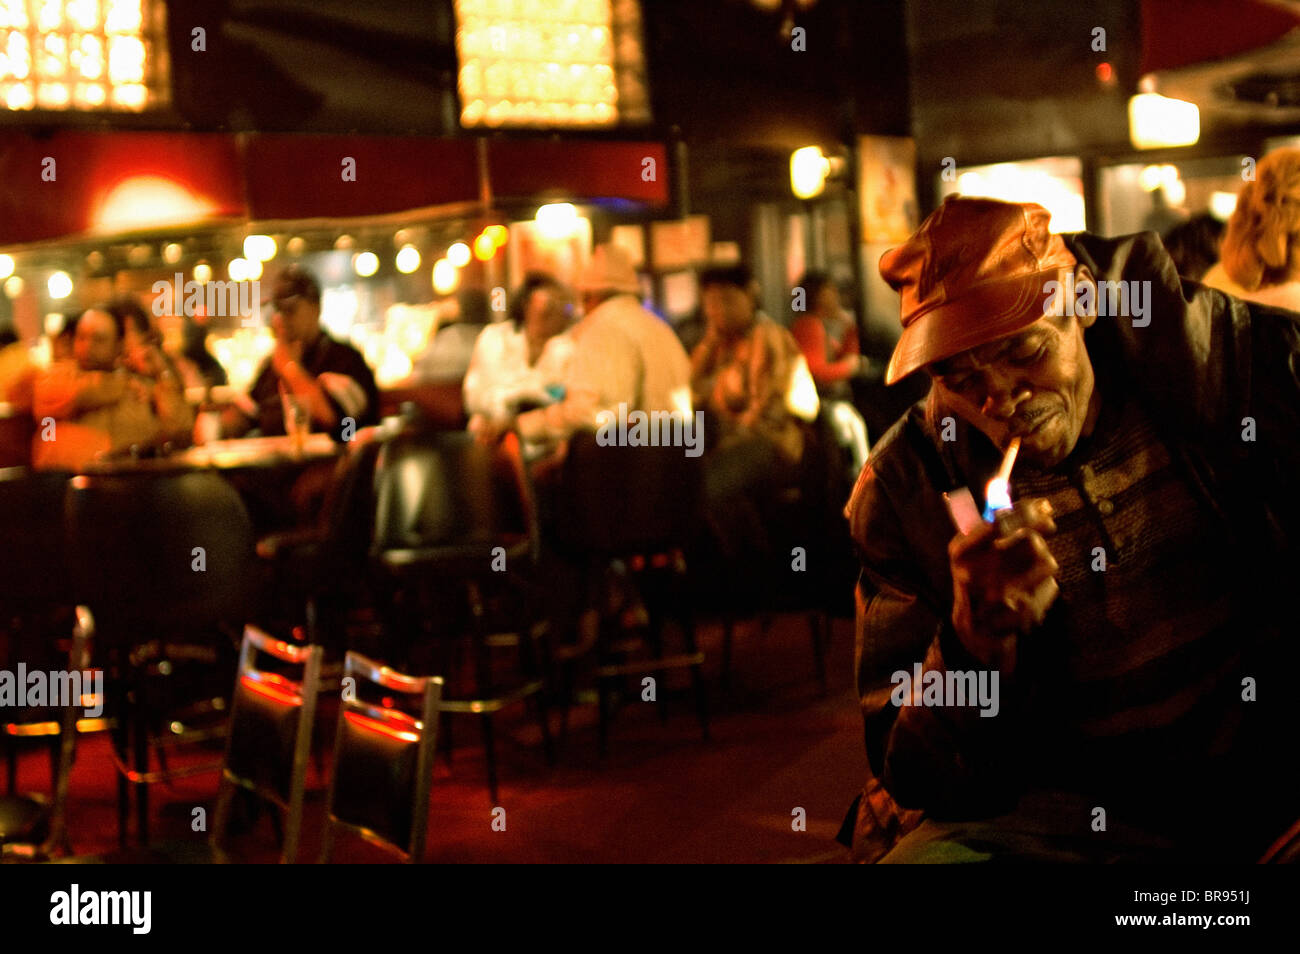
x: 247, y: 453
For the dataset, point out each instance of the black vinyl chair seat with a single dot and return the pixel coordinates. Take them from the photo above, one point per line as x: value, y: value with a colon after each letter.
x: 447, y: 509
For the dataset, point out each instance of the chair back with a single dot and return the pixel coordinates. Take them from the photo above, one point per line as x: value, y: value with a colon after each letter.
x: 626, y: 499
x: 159, y: 551
x: 446, y: 489
x: 273, y: 710
x: 383, y: 758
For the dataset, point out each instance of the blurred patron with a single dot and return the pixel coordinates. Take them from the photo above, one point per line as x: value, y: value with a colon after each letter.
x: 753, y: 385
x: 828, y: 338
x: 623, y: 355
x: 16, y: 369
x: 96, y: 403
x: 321, y: 382
x: 1260, y: 259
x: 525, y: 359
x: 1194, y: 245
x: 448, y: 355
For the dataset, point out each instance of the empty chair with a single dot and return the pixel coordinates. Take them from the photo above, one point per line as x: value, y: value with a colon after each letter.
x: 455, y: 544
x: 270, y: 732
x: 36, y: 600
x: 163, y: 562
x: 635, y: 507
x: 383, y: 758
x: 321, y: 571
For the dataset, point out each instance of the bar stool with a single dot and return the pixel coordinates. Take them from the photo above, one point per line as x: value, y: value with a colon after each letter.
x: 634, y: 508
x: 163, y: 561
x: 455, y: 517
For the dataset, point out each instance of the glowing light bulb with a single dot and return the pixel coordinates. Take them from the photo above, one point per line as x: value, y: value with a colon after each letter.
x: 366, y: 264
x: 408, y: 259
x: 458, y: 254
x: 59, y: 285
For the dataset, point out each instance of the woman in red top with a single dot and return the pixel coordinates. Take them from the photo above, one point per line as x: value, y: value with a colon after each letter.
x: 828, y: 338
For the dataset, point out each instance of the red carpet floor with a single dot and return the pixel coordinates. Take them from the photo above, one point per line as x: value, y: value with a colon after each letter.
x: 662, y: 794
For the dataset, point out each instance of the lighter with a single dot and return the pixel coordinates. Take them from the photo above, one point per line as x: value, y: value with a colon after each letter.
x: 997, y: 495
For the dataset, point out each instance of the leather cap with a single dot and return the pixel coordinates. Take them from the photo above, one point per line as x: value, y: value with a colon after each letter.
x: 975, y: 271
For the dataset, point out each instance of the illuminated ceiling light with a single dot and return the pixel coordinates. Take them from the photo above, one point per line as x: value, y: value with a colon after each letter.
x: 296, y: 245
x: 172, y: 253
x: 238, y: 269
x: 484, y: 248
x: 1222, y: 205
x: 446, y: 276
x: 59, y: 285
x: 809, y: 170
x: 203, y: 273
x: 146, y: 202
x: 259, y: 248
x: 458, y: 254
x: 556, y: 220
x: 6, y: 266
x: 254, y: 269
x: 14, y: 286
x: 366, y: 264
x: 344, y: 242
x: 498, y: 233
x: 95, y: 260
x: 408, y: 259
x: 139, y: 255
x: 1156, y: 122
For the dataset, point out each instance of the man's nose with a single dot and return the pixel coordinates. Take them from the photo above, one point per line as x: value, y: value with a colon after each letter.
x: 1003, y: 394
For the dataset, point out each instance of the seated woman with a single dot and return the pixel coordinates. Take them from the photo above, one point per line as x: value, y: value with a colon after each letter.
x: 828, y: 339
x: 521, y: 363
x: 744, y: 376
x: 1260, y: 256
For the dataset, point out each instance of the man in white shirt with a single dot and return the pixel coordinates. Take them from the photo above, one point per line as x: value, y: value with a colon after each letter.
x: 622, y: 354
x: 524, y: 359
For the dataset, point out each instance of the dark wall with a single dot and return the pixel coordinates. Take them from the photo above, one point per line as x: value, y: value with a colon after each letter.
x: 1009, y: 79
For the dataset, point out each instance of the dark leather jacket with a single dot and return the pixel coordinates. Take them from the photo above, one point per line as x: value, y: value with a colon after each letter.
x: 1203, y: 364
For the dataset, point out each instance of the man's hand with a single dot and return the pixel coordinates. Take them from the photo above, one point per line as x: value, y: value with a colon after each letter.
x: 489, y: 431
x: 284, y: 354
x: 1004, y: 581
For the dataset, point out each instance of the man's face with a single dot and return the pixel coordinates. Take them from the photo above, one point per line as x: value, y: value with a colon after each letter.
x: 97, y: 344
x: 1036, y: 385
x: 295, y: 319
x: 727, y: 308
x: 545, y: 316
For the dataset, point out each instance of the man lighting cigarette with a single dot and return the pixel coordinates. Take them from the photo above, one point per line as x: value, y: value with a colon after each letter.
x: 1136, y: 610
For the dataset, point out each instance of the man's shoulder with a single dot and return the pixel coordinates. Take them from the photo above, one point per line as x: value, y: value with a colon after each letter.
x: 894, y: 471
x: 335, y: 355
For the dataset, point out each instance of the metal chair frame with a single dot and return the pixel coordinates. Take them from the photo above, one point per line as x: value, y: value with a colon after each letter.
x: 303, y: 695
x: 429, y: 690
